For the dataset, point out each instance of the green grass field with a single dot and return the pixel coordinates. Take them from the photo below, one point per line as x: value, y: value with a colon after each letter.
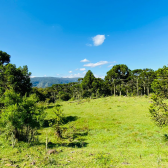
x: 104, y: 132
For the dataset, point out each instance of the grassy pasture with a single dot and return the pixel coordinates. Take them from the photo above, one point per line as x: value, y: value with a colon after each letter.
x: 104, y: 132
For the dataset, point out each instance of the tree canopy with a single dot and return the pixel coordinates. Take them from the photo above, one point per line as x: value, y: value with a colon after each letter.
x: 4, y: 58
x: 10, y: 76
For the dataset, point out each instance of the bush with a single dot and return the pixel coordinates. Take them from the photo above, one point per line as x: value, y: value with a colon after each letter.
x: 65, y: 96
x: 159, y: 111
x: 57, y: 120
x: 21, y: 116
x: 86, y: 94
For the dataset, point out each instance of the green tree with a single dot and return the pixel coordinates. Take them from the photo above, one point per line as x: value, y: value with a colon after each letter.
x: 136, y: 75
x: 88, y: 80
x: 117, y: 74
x: 159, y: 111
x: 10, y: 76
x: 147, y: 75
x: 160, y: 83
x: 4, y: 58
x: 159, y: 108
x: 57, y: 120
x: 98, y: 86
x: 20, y: 116
x: 87, y: 83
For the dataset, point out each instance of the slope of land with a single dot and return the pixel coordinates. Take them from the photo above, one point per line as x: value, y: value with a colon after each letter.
x: 49, y: 81
x: 104, y: 132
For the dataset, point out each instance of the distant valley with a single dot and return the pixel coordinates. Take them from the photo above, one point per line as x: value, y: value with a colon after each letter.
x: 42, y: 82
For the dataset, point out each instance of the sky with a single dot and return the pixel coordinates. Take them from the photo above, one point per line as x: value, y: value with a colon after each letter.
x: 66, y: 38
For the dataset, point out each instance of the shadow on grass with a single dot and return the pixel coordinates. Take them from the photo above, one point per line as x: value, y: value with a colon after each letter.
x: 76, y: 135
x: 75, y: 140
x: 165, y: 137
x: 66, y: 120
x: 69, y: 119
x: 76, y: 144
x: 49, y: 107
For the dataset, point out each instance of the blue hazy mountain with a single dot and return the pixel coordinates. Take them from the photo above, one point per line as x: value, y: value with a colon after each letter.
x: 49, y: 81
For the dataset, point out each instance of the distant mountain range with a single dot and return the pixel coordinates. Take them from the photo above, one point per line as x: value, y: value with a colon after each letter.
x: 42, y: 82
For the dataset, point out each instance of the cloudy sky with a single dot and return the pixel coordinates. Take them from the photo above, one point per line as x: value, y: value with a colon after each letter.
x: 66, y: 38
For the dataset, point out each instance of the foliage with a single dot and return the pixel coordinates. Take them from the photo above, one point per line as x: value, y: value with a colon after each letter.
x: 159, y: 109
x: 160, y: 84
x: 64, y: 96
x: 120, y: 80
x: 57, y: 120
x: 21, y: 116
x: 117, y: 75
x: 88, y: 80
x: 4, y: 58
x: 10, y: 76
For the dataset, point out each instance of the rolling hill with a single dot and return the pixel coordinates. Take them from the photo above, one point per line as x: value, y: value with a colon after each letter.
x: 49, y: 81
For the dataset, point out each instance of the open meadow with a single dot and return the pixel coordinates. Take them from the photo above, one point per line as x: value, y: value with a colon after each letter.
x: 104, y: 132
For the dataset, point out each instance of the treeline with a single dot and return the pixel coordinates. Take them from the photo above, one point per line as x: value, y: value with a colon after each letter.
x: 119, y: 80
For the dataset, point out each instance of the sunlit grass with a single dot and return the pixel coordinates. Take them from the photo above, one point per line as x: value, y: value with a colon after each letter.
x: 107, y: 132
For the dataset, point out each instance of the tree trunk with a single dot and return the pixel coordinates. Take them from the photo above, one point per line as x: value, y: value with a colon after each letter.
x: 120, y: 89
x: 114, y: 89
x: 148, y: 87
x: 148, y: 90
x: 137, y: 88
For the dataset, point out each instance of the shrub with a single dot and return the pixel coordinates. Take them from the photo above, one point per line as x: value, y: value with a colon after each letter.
x: 159, y: 111
x: 21, y: 116
x: 65, y: 96
x: 57, y: 120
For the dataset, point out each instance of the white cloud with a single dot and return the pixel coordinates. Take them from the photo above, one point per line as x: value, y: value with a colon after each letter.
x: 98, y: 40
x: 32, y: 76
x: 110, y: 65
x: 89, y: 45
x: 45, y: 75
x: 98, y: 76
x: 96, y: 64
x: 70, y: 71
x: 85, y: 60
x: 78, y: 75
x: 84, y: 72
x: 82, y: 69
x: 76, y: 69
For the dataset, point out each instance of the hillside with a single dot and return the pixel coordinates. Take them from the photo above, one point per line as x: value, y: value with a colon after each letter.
x: 104, y: 132
x: 42, y: 82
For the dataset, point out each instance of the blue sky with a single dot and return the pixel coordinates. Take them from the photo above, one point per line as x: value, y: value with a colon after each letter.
x: 65, y: 38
